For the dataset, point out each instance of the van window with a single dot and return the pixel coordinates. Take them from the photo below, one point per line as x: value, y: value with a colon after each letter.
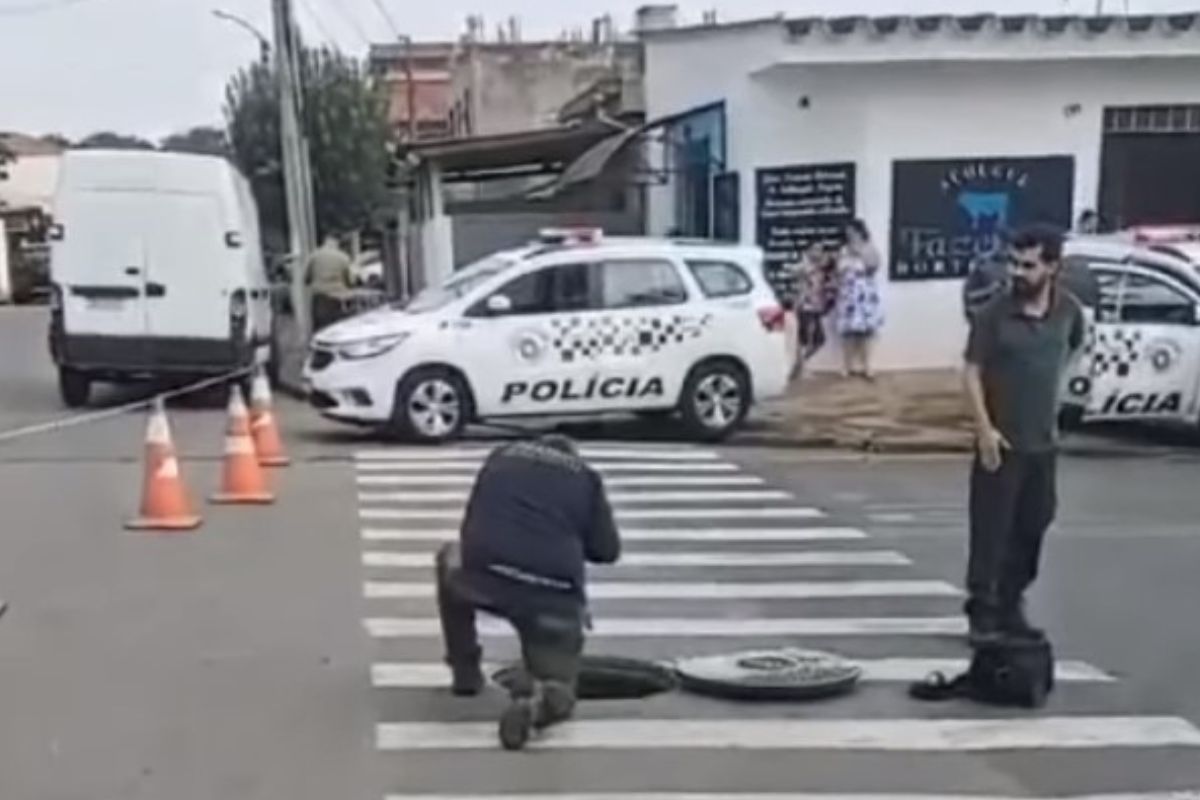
x: 720, y: 279
x: 1146, y: 299
x: 639, y: 283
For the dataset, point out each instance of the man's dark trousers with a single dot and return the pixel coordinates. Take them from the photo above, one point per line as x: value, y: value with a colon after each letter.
x: 1010, y: 511
x: 551, y: 643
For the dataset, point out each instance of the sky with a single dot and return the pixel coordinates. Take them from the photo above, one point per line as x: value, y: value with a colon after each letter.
x: 153, y: 67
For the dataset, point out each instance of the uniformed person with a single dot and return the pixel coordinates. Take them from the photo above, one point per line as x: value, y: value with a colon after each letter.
x: 328, y: 279
x: 1020, y: 344
x: 537, y: 514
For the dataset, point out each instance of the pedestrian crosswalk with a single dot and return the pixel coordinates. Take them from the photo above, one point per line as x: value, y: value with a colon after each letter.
x: 717, y: 559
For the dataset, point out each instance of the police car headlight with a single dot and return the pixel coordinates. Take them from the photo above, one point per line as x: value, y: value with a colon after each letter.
x: 371, y: 348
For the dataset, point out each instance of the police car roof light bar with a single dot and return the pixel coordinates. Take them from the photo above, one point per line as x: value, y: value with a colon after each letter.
x: 1166, y: 234
x: 571, y: 236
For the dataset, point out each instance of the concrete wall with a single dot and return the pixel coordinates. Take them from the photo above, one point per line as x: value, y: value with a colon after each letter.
x: 521, y: 87
x: 876, y: 113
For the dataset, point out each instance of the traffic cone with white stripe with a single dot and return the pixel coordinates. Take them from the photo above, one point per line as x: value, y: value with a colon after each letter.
x: 243, y: 481
x: 166, y: 505
x: 267, y: 441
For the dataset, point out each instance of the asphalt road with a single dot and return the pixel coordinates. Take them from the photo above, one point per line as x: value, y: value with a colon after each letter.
x: 247, y: 661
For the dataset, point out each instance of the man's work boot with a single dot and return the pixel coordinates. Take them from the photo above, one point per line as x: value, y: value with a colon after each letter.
x: 516, y: 723
x: 467, y: 681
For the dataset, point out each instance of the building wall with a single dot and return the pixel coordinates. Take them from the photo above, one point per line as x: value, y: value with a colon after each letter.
x: 874, y: 114
x: 522, y: 86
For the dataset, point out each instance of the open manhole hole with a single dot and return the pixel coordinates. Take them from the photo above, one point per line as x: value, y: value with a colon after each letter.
x: 607, y: 678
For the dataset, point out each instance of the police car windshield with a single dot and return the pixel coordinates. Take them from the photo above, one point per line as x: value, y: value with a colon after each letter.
x: 458, y: 284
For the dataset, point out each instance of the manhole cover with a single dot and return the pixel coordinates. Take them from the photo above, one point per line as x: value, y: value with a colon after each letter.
x: 784, y: 674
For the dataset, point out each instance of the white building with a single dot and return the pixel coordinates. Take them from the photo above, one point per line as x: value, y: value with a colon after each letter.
x: 937, y: 131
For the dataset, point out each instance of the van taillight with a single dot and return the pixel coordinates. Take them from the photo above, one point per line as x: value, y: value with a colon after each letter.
x: 773, y: 318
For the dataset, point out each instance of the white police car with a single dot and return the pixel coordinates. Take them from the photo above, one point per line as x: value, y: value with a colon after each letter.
x: 1142, y: 360
x: 572, y: 324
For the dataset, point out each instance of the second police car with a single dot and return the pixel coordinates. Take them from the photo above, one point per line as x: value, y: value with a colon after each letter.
x: 572, y: 324
x: 1142, y: 360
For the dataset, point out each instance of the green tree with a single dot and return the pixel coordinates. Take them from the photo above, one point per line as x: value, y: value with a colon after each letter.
x: 344, y: 117
x: 107, y: 140
x: 202, y: 140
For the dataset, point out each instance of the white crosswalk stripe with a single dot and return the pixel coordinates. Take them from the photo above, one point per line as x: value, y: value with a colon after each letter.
x: 714, y: 560
x: 738, y: 565
x: 641, y: 482
x: 680, y: 535
x: 716, y: 590
x: 617, y: 498
x: 883, y: 670
x: 793, y: 513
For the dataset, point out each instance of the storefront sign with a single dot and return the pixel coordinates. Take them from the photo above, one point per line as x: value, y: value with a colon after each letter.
x: 798, y: 205
x: 947, y: 213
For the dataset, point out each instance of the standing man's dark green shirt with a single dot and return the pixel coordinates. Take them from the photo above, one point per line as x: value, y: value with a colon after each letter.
x: 1022, y: 360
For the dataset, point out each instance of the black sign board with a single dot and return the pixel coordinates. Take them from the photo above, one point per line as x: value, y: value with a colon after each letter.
x: 798, y: 205
x: 946, y: 213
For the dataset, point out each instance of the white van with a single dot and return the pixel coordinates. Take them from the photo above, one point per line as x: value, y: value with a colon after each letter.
x: 157, y: 270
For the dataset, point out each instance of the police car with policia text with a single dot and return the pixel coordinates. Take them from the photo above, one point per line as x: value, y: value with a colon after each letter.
x: 1142, y: 360
x: 574, y: 323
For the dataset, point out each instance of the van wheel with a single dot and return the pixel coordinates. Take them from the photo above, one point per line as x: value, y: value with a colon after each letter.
x: 715, y: 401
x: 432, y: 406
x: 74, y: 387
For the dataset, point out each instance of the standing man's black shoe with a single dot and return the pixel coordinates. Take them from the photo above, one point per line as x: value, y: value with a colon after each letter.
x: 467, y: 681
x: 516, y: 724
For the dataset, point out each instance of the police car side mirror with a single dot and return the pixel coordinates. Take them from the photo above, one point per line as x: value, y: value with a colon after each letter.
x: 499, y: 304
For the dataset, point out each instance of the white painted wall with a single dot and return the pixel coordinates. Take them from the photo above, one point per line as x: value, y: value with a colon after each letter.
x: 875, y: 113
x: 5, y: 276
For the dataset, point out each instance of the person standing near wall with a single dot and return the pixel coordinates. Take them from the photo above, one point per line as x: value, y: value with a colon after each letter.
x: 859, y: 306
x: 1020, y: 344
x: 816, y: 292
x: 328, y: 277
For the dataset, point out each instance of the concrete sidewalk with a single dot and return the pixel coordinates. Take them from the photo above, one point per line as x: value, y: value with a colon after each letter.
x: 900, y: 412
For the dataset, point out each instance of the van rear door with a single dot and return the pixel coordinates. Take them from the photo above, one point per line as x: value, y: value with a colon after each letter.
x: 191, y: 272
x: 100, y: 264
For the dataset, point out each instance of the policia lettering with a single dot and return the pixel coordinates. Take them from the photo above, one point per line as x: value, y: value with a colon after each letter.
x: 1136, y: 403
x: 607, y: 389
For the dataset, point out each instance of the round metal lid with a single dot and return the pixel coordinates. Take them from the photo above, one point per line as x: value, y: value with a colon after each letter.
x: 785, y: 673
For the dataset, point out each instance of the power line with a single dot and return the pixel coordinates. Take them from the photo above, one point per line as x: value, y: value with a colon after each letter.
x: 391, y: 23
x: 316, y: 20
x: 352, y: 21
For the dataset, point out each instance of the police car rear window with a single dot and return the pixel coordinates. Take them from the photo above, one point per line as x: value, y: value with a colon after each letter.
x: 720, y: 278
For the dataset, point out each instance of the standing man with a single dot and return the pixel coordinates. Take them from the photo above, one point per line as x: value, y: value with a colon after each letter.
x: 537, y: 514
x: 328, y: 277
x: 1020, y: 344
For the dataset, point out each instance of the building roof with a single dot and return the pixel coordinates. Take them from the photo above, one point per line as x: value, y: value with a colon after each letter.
x: 898, y: 25
x: 20, y: 144
x: 550, y: 146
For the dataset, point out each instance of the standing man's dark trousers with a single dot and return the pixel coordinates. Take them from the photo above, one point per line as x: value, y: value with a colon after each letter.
x: 551, y: 644
x: 1010, y: 511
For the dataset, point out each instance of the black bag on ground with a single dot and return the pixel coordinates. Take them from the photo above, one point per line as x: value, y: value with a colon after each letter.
x: 1008, y: 673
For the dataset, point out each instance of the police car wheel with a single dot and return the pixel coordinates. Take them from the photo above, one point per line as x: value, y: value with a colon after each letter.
x: 75, y: 387
x: 715, y: 400
x: 432, y: 405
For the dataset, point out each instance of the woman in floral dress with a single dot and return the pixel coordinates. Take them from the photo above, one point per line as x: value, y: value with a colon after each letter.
x: 859, y: 308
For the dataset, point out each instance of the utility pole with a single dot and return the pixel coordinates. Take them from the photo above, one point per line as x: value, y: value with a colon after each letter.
x: 296, y: 181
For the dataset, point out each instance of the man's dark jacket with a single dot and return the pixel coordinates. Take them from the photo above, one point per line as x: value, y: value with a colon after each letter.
x: 535, y: 517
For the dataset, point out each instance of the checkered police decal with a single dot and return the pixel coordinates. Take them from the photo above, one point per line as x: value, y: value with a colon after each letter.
x: 581, y: 338
x: 1116, y: 350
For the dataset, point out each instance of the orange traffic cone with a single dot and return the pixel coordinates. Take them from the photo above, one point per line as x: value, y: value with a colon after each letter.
x: 165, y: 502
x: 243, y: 481
x: 267, y: 441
